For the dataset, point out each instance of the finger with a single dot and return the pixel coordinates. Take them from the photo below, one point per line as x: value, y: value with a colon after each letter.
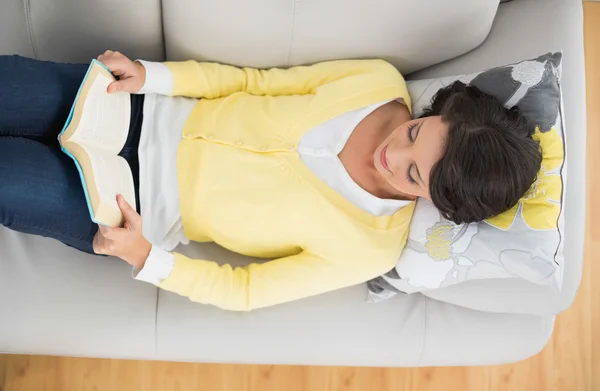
x: 96, y: 244
x: 108, y: 233
x: 117, y: 64
x: 123, y: 85
x: 119, y: 73
x: 111, y: 54
x: 114, y: 87
x: 104, y: 55
x: 117, y: 70
x: 131, y: 216
x: 119, y: 234
x: 99, y: 244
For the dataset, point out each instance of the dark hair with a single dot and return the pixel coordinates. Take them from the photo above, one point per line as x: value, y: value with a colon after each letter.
x: 491, y: 159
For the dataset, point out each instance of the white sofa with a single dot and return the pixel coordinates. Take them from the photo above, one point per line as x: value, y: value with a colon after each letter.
x: 58, y: 302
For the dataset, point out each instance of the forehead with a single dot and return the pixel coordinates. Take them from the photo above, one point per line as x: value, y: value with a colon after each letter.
x: 430, y: 145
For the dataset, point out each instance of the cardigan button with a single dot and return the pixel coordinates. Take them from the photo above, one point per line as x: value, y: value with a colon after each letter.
x: 211, y: 137
x: 263, y: 148
x: 238, y: 143
x: 188, y: 135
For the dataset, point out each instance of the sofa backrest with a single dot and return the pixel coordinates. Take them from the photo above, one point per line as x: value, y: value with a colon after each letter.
x: 260, y: 33
x: 264, y: 33
x: 79, y: 30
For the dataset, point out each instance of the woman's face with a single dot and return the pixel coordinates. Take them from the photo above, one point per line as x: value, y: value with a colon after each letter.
x: 407, y: 156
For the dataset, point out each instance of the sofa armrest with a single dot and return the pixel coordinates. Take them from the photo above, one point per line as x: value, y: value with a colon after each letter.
x: 77, y: 31
x: 457, y: 336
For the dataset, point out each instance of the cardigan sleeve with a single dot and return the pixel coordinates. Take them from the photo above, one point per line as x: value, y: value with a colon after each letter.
x: 212, y: 80
x: 262, y: 285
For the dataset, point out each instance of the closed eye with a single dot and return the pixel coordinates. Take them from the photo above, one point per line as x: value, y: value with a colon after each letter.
x: 409, y: 132
x: 409, y: 177
x: 412, y: 137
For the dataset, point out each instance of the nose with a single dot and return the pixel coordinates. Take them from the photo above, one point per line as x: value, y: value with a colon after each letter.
x: 397, y: 155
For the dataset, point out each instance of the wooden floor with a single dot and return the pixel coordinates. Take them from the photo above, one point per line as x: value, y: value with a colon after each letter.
x: 570, y: 362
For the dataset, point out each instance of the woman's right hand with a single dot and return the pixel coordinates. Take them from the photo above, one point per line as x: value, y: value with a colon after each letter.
x: 132, y: 75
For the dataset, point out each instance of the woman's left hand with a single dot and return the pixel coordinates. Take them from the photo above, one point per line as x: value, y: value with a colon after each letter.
x: 127, y: 243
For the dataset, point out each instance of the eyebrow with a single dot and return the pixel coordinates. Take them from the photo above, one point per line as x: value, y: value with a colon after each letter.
x: 414, y: 141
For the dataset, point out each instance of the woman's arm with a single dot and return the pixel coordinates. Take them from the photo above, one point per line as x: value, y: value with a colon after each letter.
x: 237, y: 289
x: 211, y: 80
x: 139, y: 77
x: 258, y: 285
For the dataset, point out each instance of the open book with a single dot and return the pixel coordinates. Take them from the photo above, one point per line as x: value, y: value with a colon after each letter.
x: 93, y: 136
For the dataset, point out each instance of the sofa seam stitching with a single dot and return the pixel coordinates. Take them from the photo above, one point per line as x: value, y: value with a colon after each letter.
x: 426, y: 330
x: 292, y: 31
x: 30, y: 32
x: 162, y: 28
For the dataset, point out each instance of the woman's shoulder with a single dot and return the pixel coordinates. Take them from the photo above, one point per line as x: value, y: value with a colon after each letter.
x: 355, y: 242
x: 360, y: 83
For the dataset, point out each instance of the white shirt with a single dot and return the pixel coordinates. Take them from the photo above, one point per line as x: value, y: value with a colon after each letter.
x: 164, y: 118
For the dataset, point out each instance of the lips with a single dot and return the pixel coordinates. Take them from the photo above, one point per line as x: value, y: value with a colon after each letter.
x: 383, y: 158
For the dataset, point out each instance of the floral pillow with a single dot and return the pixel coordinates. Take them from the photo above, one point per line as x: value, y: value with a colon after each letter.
x: 523, y: 242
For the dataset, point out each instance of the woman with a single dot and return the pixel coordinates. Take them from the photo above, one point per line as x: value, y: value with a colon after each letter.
x: 316, y: 167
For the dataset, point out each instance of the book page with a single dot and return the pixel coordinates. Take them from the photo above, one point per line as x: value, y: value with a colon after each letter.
x: 112, y: 176
x: 105, y: 117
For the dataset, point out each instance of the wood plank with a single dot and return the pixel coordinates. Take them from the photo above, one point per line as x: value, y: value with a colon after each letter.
x: 591, y: 274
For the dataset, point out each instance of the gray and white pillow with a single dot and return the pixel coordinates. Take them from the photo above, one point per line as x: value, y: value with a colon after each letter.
x: 525, y: 241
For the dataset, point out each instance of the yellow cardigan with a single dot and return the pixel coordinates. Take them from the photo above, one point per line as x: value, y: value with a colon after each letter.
x: 243, y: 185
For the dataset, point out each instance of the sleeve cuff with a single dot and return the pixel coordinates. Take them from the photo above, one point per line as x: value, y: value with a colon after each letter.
x: 159, y: 79
x: 158, y: 267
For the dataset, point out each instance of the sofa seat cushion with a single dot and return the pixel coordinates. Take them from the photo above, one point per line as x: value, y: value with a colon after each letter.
x: 55, y: 300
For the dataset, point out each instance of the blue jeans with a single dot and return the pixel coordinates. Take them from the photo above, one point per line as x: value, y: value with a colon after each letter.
x: 40, y: 189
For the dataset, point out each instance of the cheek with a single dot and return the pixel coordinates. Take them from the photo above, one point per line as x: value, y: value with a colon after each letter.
x: 401, y: 183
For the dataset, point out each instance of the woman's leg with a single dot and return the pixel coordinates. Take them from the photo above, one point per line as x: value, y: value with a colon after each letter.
x: 41, y: 193
x: 36, y: 96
